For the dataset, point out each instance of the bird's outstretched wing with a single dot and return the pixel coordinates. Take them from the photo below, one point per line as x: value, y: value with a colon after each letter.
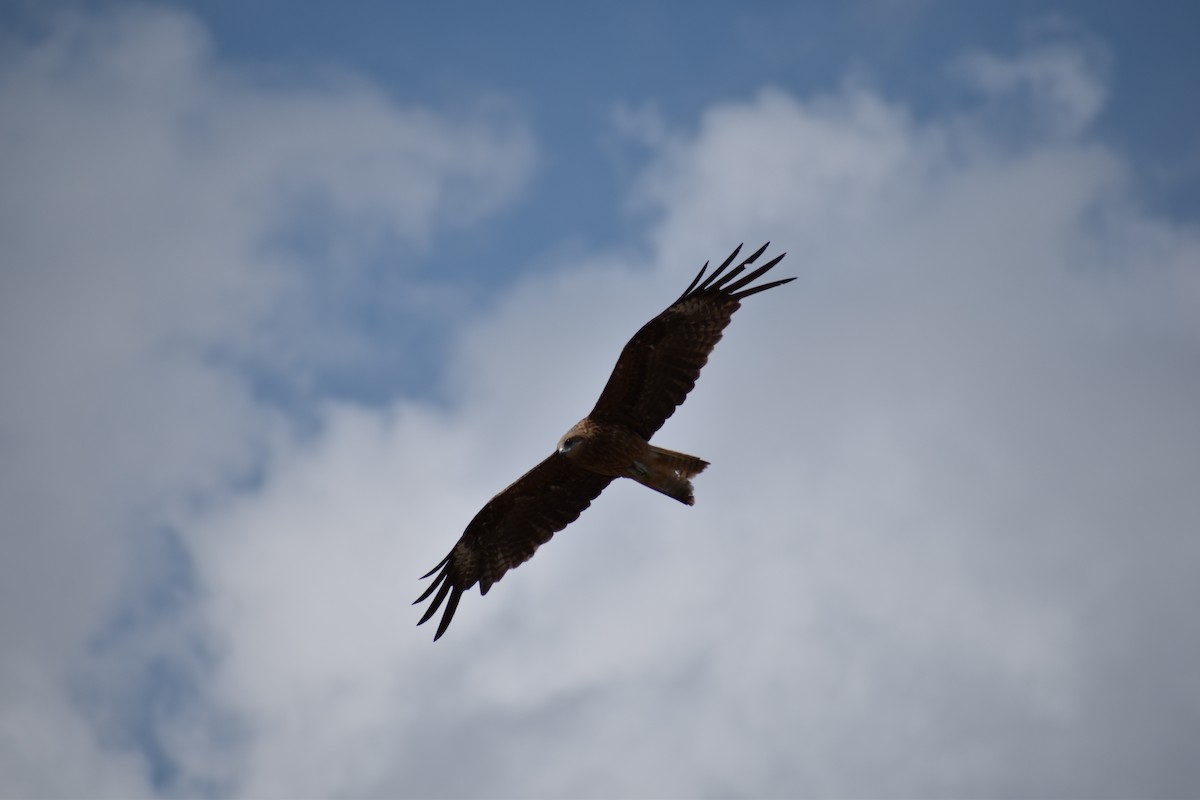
x: 507, y: 531
x: 660, y: 364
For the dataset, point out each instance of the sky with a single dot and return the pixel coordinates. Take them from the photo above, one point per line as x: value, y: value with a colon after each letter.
x: 289, y: 290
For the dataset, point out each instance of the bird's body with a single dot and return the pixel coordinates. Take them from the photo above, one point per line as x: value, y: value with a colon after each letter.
x: 655, y: 372
x: 618, y: 452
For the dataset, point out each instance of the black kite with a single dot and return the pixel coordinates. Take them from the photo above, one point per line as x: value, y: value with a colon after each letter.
x: 655, y: 372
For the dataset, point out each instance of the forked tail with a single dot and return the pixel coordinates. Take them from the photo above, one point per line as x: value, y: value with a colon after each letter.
x: 669, y: 472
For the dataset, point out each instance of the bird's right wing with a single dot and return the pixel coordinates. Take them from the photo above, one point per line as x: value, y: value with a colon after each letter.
x: 506, y: 532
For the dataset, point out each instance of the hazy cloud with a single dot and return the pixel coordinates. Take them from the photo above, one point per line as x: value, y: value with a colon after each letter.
x: 148, y: 201
x: 1059, y: 85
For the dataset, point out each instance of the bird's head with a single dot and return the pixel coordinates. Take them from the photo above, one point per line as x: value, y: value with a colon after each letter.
x: 573, y: 441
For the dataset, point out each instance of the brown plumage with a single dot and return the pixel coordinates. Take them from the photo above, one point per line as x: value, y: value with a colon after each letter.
x: 656, y: 370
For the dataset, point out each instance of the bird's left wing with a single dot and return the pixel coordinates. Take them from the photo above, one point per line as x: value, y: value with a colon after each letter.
x: 660, y: 364
x: 506, y: 532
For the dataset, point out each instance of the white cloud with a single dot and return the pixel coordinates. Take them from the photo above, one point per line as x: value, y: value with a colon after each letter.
x: 948, y: 524
x: 147, y: 196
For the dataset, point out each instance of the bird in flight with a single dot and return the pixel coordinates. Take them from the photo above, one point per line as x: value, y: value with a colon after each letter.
x: 653, y: 375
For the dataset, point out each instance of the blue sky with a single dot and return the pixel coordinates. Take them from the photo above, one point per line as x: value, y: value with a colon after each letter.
x: 287, y: 291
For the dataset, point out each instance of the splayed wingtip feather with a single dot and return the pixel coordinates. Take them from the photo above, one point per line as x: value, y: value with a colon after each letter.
x: 451, y: 607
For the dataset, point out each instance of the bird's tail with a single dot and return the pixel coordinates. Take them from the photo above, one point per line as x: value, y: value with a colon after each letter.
x: 669, y: 472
